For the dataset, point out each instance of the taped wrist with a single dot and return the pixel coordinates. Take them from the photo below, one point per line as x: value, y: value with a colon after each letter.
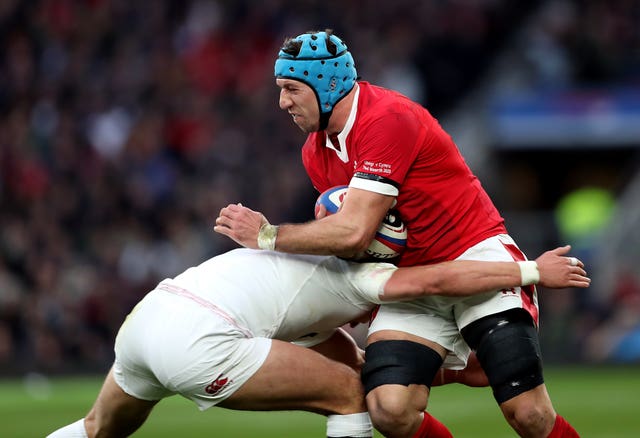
x: 529, y: 273
x: 267, y: 236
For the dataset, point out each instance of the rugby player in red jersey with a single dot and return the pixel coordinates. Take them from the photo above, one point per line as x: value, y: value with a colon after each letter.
x: 389, y: 150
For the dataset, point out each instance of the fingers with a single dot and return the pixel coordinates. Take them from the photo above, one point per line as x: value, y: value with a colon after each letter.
x: 233, y: 208
x: 578, y: 278
x: 574, y: 261
x: 561, y: 250
x: 321, y: 211
x: 221, y: 227
x: 231, y: 211
x: 578, y: 270
x: 582, y: 284
x: 559, y: 271
x: 225, y: 218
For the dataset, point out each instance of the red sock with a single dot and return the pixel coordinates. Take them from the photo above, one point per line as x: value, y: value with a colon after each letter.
x: 562, y: 429
x: 432, y: 428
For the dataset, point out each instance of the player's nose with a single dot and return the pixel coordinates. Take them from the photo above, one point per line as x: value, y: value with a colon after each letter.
x: 284, y: 101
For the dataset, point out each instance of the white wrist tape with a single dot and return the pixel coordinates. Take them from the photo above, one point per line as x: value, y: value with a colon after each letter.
x: 355, y: 425
x: 529, y: 273
x: 267, y: 236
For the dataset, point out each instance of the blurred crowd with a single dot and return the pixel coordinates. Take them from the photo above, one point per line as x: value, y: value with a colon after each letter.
x: 125, y: 127
x: 591, y: 48
x: 586, y: 43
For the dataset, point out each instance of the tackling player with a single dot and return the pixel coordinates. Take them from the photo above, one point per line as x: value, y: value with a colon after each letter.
x: 218, y: 334
x: 389, y: 149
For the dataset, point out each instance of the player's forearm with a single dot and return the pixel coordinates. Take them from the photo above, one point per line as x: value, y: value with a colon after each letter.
x: 553, y: 269
x: 325, y: 237
x: 454, y: 278
x: 347, y: 233
x: 328, y: 236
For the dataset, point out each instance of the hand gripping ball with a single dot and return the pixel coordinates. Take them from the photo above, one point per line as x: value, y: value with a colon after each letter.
x: 390, y: 239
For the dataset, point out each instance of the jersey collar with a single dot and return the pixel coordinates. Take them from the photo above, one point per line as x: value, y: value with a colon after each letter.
x: 342, y: 136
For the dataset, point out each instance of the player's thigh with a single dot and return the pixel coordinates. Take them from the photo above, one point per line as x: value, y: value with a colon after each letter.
x: 294, y: 377
x: 406, y: 346
x: 470, y: 309
x: 428, y: 322
x: 397, y: 375
x: 116, y: 413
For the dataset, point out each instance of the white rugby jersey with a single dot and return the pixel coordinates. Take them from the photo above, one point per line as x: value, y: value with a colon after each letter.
x: 283, y: 296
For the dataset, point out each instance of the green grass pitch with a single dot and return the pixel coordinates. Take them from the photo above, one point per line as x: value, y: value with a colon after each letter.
x: 599, y: 402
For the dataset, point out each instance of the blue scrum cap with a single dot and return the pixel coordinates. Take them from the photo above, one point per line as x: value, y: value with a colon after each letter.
x: 330, y: 76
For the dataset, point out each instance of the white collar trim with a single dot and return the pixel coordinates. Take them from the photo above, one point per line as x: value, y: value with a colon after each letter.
x: 342, y: 136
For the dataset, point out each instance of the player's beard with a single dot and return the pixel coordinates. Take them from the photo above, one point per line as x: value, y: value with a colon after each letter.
x: 305, y: 126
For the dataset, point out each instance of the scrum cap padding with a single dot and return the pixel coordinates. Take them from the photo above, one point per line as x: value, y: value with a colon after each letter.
x: 330, y: 76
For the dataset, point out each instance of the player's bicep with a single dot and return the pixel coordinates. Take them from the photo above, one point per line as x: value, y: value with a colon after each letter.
x: 364, y: 210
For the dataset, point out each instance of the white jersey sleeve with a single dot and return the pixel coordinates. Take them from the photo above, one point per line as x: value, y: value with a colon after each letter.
x: 353, y: 289
x: 370, y: 279
x: 285, y: 296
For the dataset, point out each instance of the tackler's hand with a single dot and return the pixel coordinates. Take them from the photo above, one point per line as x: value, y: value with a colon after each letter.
x: 558, y: 271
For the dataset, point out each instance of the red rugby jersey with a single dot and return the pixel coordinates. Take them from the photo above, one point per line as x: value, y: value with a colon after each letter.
x: 395, y: 146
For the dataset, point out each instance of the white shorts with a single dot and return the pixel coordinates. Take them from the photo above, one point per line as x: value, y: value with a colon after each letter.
x: 439, y: 319
x: 170, y: 344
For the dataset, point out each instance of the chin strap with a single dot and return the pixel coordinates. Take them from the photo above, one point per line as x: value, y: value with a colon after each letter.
x: 324, y: 120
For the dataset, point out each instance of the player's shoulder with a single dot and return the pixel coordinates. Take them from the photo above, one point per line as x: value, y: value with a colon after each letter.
x: 371, y: 95
x: 376, y: 103
x: 375, y: 95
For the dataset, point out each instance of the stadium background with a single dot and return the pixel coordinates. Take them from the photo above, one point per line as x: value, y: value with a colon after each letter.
x: 125, y: 127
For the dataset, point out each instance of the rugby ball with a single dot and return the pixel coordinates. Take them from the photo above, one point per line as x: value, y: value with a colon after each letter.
x: 331, y: 199
x: 390, y: 239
